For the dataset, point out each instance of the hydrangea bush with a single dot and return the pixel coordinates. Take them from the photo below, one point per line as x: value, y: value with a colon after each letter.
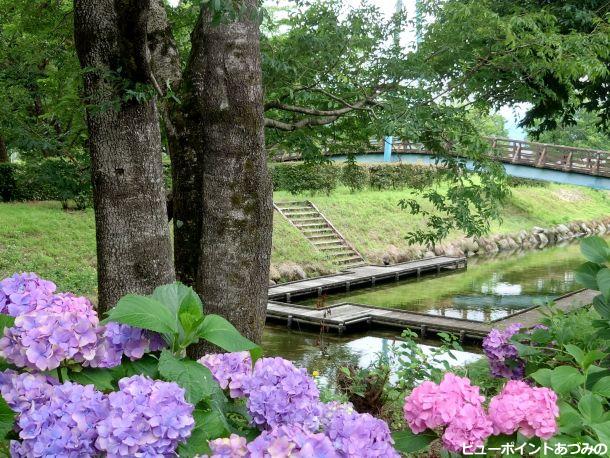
x: 78, y: 387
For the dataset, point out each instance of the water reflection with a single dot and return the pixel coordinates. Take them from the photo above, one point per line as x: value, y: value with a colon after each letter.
x: 326, y: 353
x: 490, y: 289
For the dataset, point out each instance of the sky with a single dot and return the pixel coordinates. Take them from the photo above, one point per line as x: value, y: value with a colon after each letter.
x: 510, y: 114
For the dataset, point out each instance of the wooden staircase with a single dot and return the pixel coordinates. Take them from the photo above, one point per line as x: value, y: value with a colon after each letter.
x: 306, y: 217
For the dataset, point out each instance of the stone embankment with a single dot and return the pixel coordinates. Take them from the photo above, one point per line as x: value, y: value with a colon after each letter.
x: 537, y: 237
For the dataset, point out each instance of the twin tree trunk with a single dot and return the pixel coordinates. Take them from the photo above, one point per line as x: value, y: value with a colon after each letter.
x: 133, y: 242
x: 222, y: 195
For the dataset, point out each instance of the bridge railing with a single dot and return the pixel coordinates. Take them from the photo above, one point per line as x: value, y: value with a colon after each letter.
x: 548, y: 156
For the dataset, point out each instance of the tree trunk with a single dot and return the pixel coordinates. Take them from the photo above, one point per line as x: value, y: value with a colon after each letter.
x: 133, y: 242
x: 236, y: 193
x: 3, y: 151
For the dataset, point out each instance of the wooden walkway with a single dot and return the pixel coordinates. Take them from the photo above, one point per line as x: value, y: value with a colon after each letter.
x: 363, y: 276
x: 346, y: 317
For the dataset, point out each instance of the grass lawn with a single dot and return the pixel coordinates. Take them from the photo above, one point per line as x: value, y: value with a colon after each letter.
x: 59, y: 245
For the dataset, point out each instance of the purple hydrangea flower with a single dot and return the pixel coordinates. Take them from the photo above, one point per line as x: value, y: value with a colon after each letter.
x: 64, y: 426
x: 43, y: 339
x: 229, y: 447
x: 24, y: 391
x: 230, y: 370
x: 292, y: 441
x: 121, y: 339
x: 23, y: 293
x: 503, y: 356
x: 279, y: 394
x: 145, y: 418
x: 355, y: 435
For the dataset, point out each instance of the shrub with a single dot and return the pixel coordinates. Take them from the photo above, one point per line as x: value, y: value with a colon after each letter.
x: 353, y: 175
x: 55, y: 179
x: 516, y: 182
x: 400, y: 176
x: 7, y: 181
x: 305, y: 177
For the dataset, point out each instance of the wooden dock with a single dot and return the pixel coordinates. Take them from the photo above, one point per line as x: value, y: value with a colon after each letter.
x: 345, y: 317
x: 364, y: 276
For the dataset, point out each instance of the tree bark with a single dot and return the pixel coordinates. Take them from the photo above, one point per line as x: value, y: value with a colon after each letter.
x: 133, y: 241
x: 3, y: 151
x: 235, y: 247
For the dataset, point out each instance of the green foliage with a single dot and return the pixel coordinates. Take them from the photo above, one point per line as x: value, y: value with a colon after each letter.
x: 582, y: 131
x: 7, y: 181
x: 516, y: 182
x: 176, y: 312
x: 195, y: 378
x: 407, y: 442
x: 571, y: 355
x: 353, y: 175
x: 414, y: 364
x: 64, y: 179
x: 323, y: 178
x: 305, y: 178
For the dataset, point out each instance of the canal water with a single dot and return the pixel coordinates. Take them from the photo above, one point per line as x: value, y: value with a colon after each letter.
x: 491, y: 288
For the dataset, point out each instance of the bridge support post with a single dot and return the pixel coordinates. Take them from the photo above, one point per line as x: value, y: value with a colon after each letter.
x: 319, y: 291
x: 289, y: 321
x: 348, y: 285
x: 387, y: 148
x: 287, y: 297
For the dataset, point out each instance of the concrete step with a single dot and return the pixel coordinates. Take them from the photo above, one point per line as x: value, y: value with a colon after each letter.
x: 351, y: 261
x: 309, y: 225
x: 301, y: 213
x: 323, y: 244
x: 319, y: 231
x: 313, y: 238
x: 308, y: 220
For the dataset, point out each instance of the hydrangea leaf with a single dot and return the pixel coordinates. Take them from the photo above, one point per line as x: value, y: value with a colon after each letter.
x: 602, y: 307
x: 586, y: 275
x: 6, y: 321
x: 407, y: 442
x: 209, y: 424
x: 147, y: 365
x: 591, y: 408
x: 100, y: 378
x: 7, y: 418
x: 542, y: 377
x: 143, y: 312
x: 602, y: 387
x: 217, y: 330
x: 603, y: 282
x: 190, y: 312
x: 566, y: 378
x: 595, y: 249
x: 173, y: 295
x: 570, y: 421
x: 195, y: 378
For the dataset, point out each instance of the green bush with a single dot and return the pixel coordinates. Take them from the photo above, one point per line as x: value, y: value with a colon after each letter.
x: 7, y: 181
x: 400, y: 176
x: 54, y: 179
x: 314, y: 178
x: 303, y: 178
x: 516, y: 182
x: 354, y: 176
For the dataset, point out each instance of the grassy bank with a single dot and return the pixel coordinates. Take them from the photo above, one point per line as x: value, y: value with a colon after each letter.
x: 60, y: 245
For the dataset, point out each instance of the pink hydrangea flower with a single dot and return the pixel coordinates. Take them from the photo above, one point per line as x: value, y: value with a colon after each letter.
x: 531, y: 410
x: 430, y: 406
x: 229, y: 447
x: 420, y: 409
x: 468, y: 430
